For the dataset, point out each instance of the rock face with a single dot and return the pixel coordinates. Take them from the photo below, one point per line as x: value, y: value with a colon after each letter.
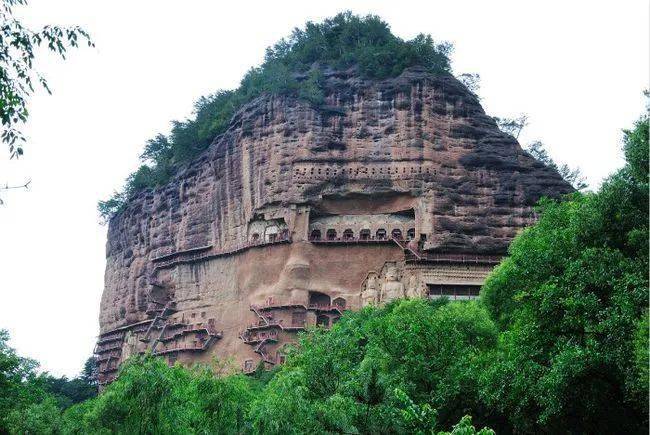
x: 394, y: 188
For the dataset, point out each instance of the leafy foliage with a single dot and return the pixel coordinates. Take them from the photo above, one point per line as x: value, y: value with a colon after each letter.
x: 635, y: 147
x: 17, y: 75
x: 347, y: 40
x: 293, y: 67
x: 380, y: 370
x: 512, y: 126
x: 465, y: 427
x: 377, y: 370
x: 151, y: 397
x: 16, y: 376
x: 31, y: 402
x: 571, y: 300
x: 472, y: 81
x: 43, y: 417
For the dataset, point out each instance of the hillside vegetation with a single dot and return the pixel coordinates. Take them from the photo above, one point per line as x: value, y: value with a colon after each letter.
x: 557, y: 343
x: 291, y: 67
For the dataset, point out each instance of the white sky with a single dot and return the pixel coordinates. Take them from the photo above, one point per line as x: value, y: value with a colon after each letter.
x: 576, y: 68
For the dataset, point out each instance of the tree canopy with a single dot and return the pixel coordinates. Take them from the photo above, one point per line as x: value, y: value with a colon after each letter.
x: 571, y: 300
x: 31, y: 402
x: 381, y: 370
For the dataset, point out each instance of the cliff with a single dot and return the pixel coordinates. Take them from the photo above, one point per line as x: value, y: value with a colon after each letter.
x: 412, y: 158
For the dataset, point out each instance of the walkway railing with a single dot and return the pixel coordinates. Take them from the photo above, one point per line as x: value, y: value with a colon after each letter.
x: 188, y: 329
x: 414, y: 253
x: 461, y: 258
x: 350, y: 240
x: 200, y: 346
x: 191, y: 255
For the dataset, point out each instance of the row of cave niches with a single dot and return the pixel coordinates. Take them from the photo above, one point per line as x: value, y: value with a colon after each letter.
x: 170, y: 337
x: 381, y: 235
x: 317, y: 173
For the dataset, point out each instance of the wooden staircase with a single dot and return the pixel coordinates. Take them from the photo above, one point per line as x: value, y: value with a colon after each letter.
x: 410, y: 253
x: 159, y: 323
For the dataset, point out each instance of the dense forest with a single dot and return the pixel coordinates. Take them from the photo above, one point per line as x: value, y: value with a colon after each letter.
x: 293, y: 67
x: 557, y: 343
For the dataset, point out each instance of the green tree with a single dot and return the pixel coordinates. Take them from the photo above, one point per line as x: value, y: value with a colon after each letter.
x: 28, y: 400
x: 635, y: 147
x: 42, y: 418
x: 571, y: 300
x: 18, y: 78
x: 472, y: 82
x: 68, y: 391
x: 465, y: 427
x: 381, y: 370
x: 151, y: 397
x: 512, y: 126
x: 17, y: 387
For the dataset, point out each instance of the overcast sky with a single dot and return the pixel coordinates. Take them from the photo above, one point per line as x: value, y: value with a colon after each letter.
x: 576, y: 68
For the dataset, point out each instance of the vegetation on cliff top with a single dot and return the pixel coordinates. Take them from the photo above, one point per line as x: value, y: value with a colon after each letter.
x: 558, y: 343
x: 290, y: 67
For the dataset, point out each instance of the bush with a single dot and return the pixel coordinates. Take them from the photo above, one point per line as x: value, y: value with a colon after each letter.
x: 404, y: 368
